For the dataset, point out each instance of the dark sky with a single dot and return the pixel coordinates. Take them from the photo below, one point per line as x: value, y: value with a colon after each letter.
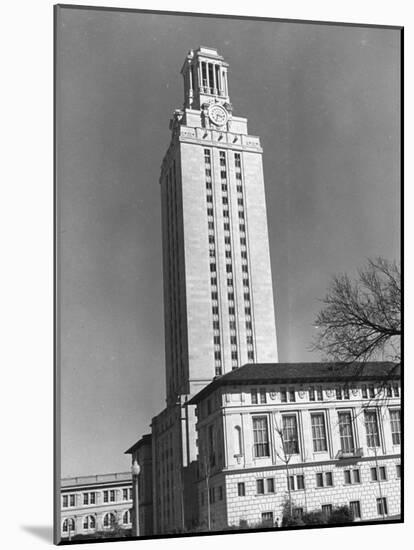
x: 324, y: 101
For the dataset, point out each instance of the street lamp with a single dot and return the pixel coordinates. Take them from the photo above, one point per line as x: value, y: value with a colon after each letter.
x: 135, y: 470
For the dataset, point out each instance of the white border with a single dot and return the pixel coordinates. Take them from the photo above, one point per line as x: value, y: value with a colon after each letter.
x: 26, y: 220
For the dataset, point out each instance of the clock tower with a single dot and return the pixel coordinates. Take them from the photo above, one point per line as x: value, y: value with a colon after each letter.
x: 218, y: 296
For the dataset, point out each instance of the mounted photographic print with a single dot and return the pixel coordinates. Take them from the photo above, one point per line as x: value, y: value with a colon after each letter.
x: 228, y: 308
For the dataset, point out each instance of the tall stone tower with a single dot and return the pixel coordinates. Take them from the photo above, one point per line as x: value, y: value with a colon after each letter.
x: 218, y: 295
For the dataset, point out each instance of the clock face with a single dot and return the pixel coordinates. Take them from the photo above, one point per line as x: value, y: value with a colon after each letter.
x: 218, y: 115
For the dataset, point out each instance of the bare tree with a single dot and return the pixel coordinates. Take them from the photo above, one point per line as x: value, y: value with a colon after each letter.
x: 361, y: 319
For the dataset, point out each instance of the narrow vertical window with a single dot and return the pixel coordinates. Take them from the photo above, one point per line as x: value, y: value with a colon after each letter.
x: 260, y: 437
x: 345, y: 432
x: 395, y: 417
x: 318, y: 432
x: 290, y: 434
x: 371, y: 427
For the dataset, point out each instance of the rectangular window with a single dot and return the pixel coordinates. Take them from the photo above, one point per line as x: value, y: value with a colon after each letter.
x: 292, y: 397
x: 311, y: 394
x: 355, y: 508
x: 319, y: 479
x: 371, y: 427
x: 283, y: 396
x: 300, y: 482
x: 318, y: 432
x: 345, y: 432
x: 383, y: 473
x: 327, y: 510
x: 260, y: 437
x: 267, y: 518
x: 225, y: 213
x: 124, y: 494
x: 371, y: 392
x: 347, y: 477
x: 328, y: 479
x: 270, y: 482
x: 112, y: 496
x: 105, y: 496
x: 241, y: 489
x: 374, y: 474
x: 253, y: 394
x: 398, y: 470
x: 65, y: 501
x: 346, y: 393
x: 260, y: 486
x: 209, y: 211
x: 364, y: 392
x: 382, y: 508
x: 395, y: 417
x: 319, y: 394
x: 72, y: 500
x: 262, y: 395
x: 356, y: 476
x: 250, y: 354
x: 338, y: 393
x: 92, y: 498
x: 85, y: 498
x: 290, y: 434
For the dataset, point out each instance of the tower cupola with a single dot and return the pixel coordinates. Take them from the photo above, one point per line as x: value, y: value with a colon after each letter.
x: 205, y: 78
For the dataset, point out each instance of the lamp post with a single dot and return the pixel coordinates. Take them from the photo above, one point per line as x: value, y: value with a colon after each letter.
x: 135, y: 470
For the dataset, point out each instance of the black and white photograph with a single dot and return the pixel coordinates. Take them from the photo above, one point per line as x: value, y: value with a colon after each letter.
x: 228, y: 247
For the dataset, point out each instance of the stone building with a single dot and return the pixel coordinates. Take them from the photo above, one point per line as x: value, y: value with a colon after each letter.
x: 313, y: 435
x: 219, y: 321
x: 95, y: 503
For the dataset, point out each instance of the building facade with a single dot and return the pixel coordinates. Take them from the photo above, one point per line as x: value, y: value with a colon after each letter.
x: 310, y: 436
x: 91, y: 504
x: 219, y: 321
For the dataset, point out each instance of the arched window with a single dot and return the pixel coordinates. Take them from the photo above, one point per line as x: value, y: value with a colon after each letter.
x: 68, y: 525
x: 89, y: 522
x: 126, y: 518
x: 238, y: 440
x: 109, y: 520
